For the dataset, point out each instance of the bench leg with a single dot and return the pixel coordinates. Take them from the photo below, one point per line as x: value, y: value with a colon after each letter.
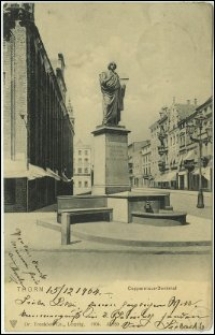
x: 65, y: 229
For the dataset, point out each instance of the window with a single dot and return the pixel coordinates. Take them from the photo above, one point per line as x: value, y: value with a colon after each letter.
x: 86, y: 170
x: 86, y: 160
x: 79, y: 184
x: 79, y: 170
x: 79, y: 152
x: 86, y: 153
x: 86, y: 184
x: 79, y: 160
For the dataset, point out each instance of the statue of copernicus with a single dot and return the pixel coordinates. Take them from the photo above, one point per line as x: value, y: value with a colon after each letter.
x: 113, y: 94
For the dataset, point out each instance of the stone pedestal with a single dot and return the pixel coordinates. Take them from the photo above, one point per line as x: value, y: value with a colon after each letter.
x: 111, y: 160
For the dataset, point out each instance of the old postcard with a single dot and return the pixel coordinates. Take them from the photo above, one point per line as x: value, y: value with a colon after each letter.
x: 107, y: 167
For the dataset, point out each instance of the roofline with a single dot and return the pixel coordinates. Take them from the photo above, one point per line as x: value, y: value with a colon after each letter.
x: 153, y: 124
x: 205, y: 103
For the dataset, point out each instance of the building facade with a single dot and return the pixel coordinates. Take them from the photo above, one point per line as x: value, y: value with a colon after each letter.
x: 155, y: 157
x: 82, y: 180
x: 38, y: 129
x: 189, y: 150
x: 168, y: 135
x: 135, y: 162
x: 146, y: 164
x: 177, y: 113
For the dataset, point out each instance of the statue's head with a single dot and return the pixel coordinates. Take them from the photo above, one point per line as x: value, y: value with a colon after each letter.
x: 112, y: 66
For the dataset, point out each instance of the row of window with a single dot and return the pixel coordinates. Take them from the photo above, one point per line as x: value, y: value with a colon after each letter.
x: 146, y: 158
x: 85, y: 152
x: 80, y: 184
x: 80, y: 170
x: 86, y: 160
x: 147, y: 171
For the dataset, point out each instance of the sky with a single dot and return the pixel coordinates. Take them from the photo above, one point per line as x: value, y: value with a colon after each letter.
x: 164, y: 49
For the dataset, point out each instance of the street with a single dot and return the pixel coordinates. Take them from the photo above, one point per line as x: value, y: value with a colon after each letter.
x: 90, y: 260
x: 124, y: 274
x: 185, y: 201
x: 110, y: 266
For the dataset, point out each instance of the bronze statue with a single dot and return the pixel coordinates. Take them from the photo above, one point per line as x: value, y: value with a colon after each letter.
x: 113, y: 94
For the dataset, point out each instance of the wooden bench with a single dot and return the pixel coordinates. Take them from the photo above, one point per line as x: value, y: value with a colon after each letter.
x: 66, y: 203
x: 85, y: 213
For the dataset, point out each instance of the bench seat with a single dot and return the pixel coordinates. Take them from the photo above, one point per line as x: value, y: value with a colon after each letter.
x: 83, y: 212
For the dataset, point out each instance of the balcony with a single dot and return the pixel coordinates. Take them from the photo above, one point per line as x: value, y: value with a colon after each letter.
x: 189, y: 165
x: 161, y: 166
x: 204, y: 161
x: 162, y: 150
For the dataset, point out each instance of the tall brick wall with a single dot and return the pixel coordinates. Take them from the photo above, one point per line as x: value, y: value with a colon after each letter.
x: 31, y: 89
x: 20, y: 91
x: 15, y: 94
x: 8, y: 84
x: 51, y: 133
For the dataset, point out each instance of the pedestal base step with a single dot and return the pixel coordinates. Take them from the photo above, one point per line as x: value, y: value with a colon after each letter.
x: 138, y: 216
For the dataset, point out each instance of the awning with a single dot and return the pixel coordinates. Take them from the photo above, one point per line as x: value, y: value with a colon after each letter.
x: 166, y: 177
x: 18, y: 169
x: 65, y: 179
x: 52, y: 174
x: 191, y: 155
x: 206, y: 172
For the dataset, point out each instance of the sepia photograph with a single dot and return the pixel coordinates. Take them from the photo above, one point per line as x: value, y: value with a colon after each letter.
x: 107, y: 167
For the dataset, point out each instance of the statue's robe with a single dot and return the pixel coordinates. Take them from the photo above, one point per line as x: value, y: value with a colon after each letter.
x: 113, y: 94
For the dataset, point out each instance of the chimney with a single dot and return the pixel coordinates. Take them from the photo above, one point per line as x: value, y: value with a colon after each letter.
x: 195, y: 102
x: 188, y: 102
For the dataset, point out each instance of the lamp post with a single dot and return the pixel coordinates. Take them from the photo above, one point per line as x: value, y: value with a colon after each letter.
x: 199, y: 126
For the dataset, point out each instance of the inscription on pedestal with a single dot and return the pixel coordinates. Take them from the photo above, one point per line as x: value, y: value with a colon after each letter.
x: 111, y: 160
x: 117, y: 151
